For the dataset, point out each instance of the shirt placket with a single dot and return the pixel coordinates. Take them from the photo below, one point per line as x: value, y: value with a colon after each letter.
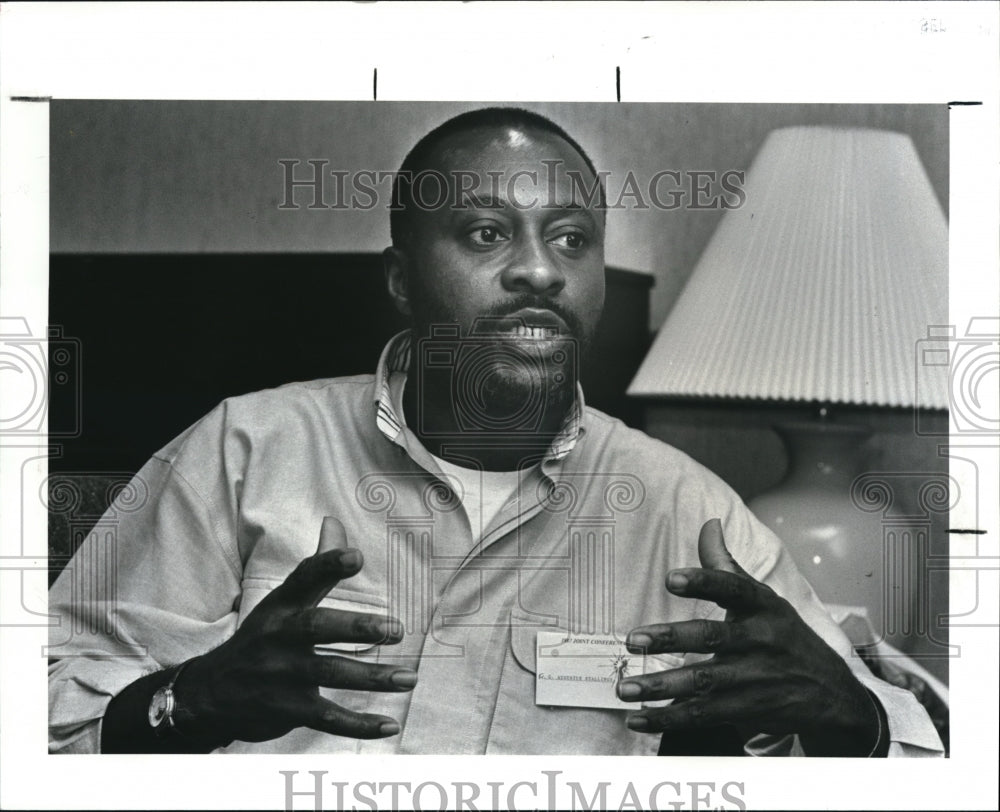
x: 460, y: 651
x: 463, y: 653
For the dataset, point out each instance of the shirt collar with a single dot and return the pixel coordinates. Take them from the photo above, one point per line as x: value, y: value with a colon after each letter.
x: 396, y: 358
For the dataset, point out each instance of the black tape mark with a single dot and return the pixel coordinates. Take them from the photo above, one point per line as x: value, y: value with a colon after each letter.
x: 31, y: 98
x: 968, y: 532
x: 965, y: 104
x: 375, y: 84
x: 618, y: 82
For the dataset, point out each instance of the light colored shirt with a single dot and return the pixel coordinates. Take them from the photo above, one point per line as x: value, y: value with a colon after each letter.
x: 223, y: 514
x: 482, y: 493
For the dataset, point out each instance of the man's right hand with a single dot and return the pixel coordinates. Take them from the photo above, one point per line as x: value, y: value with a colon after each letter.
x: 264, y: 681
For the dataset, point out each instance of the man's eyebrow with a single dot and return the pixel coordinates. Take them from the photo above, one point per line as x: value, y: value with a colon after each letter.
x: 469, y: 199
x: 571, y: 208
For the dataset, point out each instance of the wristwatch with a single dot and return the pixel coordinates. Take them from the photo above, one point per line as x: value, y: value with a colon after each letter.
x: 163, y: 705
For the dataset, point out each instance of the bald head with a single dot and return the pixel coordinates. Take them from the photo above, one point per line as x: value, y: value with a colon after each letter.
x: 438, y: 170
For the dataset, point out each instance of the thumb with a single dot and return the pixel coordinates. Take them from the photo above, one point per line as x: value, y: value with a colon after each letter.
x: 308, y: 583
x: 332, y: 535
x: 712, y: 550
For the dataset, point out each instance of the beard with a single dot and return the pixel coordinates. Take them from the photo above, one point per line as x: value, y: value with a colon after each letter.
x: 498, y: 375
x: 515, y: 385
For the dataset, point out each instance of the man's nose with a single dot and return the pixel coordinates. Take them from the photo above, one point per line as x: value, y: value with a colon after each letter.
x: 534, y: 269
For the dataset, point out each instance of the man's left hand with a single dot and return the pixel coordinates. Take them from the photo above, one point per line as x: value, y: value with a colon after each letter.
x: 770, y: 673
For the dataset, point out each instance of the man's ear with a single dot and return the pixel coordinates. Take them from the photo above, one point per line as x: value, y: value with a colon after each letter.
x: 397, y: 278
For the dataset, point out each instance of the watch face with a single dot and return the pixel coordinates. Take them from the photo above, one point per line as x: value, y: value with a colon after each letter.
x: 158, y: 707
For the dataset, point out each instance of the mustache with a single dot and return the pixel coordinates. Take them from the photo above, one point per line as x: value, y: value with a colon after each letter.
x: 508, y: 307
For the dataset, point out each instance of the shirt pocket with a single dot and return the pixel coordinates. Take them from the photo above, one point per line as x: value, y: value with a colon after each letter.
x: 520, y: 726
x: 256, y: 589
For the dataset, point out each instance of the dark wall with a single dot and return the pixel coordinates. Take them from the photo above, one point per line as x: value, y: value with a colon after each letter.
x: 164, y: 338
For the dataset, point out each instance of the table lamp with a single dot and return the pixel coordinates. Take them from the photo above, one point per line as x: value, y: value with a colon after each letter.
x: 816, y: 292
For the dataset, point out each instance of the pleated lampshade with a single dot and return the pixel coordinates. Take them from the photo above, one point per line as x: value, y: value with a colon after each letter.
x: 819, y: 287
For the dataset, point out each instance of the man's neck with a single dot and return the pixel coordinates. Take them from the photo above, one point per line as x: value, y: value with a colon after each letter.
x: 432, y: 416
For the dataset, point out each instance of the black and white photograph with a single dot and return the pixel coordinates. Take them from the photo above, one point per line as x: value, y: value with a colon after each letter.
x: 657, y: 426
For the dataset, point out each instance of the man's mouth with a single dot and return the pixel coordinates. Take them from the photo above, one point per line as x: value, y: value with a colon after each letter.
x: 530, y: 323
x: 524, y: 331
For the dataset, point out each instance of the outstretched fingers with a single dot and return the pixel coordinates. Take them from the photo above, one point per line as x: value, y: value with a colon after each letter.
x: 328, y: 717
x: 702, y: 636
x: 333, y: 671
x: 746, y: 706
x: 709, y: 677
x: 734, y: 591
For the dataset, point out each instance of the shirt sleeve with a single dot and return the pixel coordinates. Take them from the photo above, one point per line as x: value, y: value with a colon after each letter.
x: 911, y: 732
x: 155, y: 583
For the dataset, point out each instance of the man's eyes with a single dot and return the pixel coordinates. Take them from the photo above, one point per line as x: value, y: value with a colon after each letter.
x: 487, y: 235
x: 574, y: 240
x: 492, y: 235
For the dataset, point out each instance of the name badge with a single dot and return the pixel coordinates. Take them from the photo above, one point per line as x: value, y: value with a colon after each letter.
x: 583, y: 670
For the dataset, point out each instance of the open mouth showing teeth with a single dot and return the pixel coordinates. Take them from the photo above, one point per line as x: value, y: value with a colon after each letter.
x: 531, y: 323
x: 524, y: 331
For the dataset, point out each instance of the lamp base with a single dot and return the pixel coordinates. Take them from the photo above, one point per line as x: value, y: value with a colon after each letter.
x: 836, y: 545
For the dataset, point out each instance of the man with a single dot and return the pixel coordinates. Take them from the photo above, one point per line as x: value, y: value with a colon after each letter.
x: 466, y: 503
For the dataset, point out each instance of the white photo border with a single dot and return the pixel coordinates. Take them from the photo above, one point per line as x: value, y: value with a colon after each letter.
x: 704, y: 52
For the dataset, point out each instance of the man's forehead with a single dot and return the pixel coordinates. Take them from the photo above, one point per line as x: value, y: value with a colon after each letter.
x: 505, y: 148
